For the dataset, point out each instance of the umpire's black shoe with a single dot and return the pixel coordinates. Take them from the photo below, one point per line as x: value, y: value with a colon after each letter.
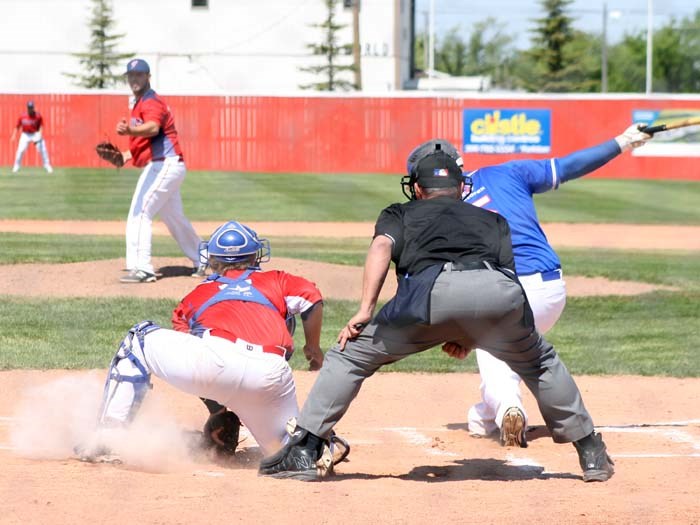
x: 298, y: 459
x: 597, y: 465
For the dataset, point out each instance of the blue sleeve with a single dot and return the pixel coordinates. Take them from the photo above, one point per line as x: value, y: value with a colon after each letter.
x: 538, y: 175
x: 584, y: 161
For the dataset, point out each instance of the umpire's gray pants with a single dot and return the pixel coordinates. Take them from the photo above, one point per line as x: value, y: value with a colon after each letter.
x: 481, y: 308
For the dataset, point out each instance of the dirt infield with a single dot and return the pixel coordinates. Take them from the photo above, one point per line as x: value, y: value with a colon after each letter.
x: 412, y: 459
x: 560, y: 235
x: 100, y: 278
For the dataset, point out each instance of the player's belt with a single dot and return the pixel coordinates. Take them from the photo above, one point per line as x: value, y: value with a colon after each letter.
x: 467, y: 266
x: 160, y: 159
x: 551, y: 275
x: 245, y: 345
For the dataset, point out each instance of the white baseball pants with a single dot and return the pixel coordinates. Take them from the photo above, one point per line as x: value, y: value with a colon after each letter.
x: 500, y: 386
x: 24, y: 140
x: 158, y: 193
x: 257, y: 386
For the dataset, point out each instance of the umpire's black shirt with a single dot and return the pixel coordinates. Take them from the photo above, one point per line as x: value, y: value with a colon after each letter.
x: 444, y: 229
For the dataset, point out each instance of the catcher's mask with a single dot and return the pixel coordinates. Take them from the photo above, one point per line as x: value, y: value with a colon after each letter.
x: 420, y: 152
x: 234, y: 242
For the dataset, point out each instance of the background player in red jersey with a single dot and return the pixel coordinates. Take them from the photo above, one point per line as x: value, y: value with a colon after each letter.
x: 153, y: 146
x: 30, y: 126
x: 230, y: 344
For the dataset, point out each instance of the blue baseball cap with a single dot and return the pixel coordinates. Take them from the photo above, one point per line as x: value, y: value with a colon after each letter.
x: 137, y: 65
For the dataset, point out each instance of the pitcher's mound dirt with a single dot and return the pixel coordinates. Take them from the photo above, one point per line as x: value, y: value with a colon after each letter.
x: 101, y: 279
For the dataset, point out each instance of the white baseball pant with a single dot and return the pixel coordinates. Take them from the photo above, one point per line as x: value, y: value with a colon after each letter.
x: 500, y: 386
x: 158, y: 193
x: 257, y: 386
x: 38, y: 140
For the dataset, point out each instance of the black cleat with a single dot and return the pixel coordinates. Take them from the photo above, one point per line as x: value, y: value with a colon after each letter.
x: 593, y: 457
x: 297, y: 461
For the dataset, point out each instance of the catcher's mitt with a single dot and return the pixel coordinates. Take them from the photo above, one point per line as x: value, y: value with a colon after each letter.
x: 109, y: 152
x: 221, y: 432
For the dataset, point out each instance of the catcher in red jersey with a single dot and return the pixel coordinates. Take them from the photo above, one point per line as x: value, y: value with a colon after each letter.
x: 230, y: 345
x: 154, y: 146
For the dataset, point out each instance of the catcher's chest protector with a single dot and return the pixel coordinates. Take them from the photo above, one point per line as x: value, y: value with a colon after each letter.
x: 233, y: 290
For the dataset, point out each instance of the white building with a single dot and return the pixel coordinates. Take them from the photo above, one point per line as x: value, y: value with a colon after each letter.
x: 226, y: 46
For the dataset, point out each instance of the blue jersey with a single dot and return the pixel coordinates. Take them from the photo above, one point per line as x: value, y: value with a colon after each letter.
x: 507, y: 189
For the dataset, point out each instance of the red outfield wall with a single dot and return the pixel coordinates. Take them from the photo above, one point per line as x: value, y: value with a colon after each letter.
x: 333, y: 134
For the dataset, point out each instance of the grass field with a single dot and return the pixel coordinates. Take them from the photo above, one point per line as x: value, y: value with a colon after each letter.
x: 652, y: 334
x: 106, y: 194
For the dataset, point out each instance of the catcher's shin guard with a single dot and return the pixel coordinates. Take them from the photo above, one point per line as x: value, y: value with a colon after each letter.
x: 128, y: 378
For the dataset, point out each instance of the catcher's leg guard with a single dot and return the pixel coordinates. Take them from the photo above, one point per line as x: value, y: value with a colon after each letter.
x: 128, y: 378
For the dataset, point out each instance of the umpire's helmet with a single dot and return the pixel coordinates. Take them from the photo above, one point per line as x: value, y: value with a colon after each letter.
x: 234, y: 242
x: 420, y: 152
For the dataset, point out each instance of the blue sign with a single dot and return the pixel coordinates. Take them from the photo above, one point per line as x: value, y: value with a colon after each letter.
x: 644, y: 116
x: 507, y: 131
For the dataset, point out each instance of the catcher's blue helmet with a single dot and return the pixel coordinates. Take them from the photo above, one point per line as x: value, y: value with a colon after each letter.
x: 234, y: 242
x: 420, y: 152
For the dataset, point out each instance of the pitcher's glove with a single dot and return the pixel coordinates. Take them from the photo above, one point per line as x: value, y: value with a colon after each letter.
x: 221, y: 432
x: 109, y: 152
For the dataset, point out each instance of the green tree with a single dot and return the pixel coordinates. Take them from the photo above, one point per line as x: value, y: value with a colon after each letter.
x: 582, y: 56
x: 627, y: 64
x: 676, y: 60
x: 331, y: 50
x: 551, y: 35
x: 419, y: 52
x: 488, y: 51
x: 451, y: 54
x: 97, y: 63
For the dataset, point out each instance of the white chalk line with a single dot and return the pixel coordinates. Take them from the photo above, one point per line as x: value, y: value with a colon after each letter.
x: 655, y: 456
x: 415, y: 436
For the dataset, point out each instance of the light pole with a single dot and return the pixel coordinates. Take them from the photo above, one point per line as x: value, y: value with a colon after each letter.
x: 614, y: 14
x: 604, y: 52
x: 431, y: 44
x: 650, y: 45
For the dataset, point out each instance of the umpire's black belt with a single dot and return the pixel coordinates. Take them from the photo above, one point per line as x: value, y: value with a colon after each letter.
x: 466, y: 266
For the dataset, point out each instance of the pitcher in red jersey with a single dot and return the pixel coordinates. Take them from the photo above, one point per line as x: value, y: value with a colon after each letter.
x: 153, y: 146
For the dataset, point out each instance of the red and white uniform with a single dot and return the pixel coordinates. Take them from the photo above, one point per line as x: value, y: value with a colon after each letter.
x: 252, y: 322
x: 30, y: 126
x: 151, y: 108
x: 237, y: 368
x: 30, y: 123
x: 158, y: 188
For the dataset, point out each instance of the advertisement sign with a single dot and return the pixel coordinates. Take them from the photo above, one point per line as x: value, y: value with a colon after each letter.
x: 507, y: 131
x: 679, y: 142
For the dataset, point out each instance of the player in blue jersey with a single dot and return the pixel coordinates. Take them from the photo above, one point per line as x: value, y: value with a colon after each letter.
x: 508, y: 189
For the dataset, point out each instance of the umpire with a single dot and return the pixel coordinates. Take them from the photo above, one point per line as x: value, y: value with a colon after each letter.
x: 457, y: 288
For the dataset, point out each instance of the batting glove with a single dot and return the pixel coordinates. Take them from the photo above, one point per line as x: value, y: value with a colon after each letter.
x: 631, y: 138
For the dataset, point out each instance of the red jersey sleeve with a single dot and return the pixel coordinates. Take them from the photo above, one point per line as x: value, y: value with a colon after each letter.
x: 154, y: 110
x: 39, y: 122
x: 300, y: 294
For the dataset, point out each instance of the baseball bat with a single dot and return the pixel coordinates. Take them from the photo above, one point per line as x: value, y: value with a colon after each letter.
x: 665, y: 127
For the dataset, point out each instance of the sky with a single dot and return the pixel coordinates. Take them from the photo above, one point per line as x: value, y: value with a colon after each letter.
x: 623, y: 15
